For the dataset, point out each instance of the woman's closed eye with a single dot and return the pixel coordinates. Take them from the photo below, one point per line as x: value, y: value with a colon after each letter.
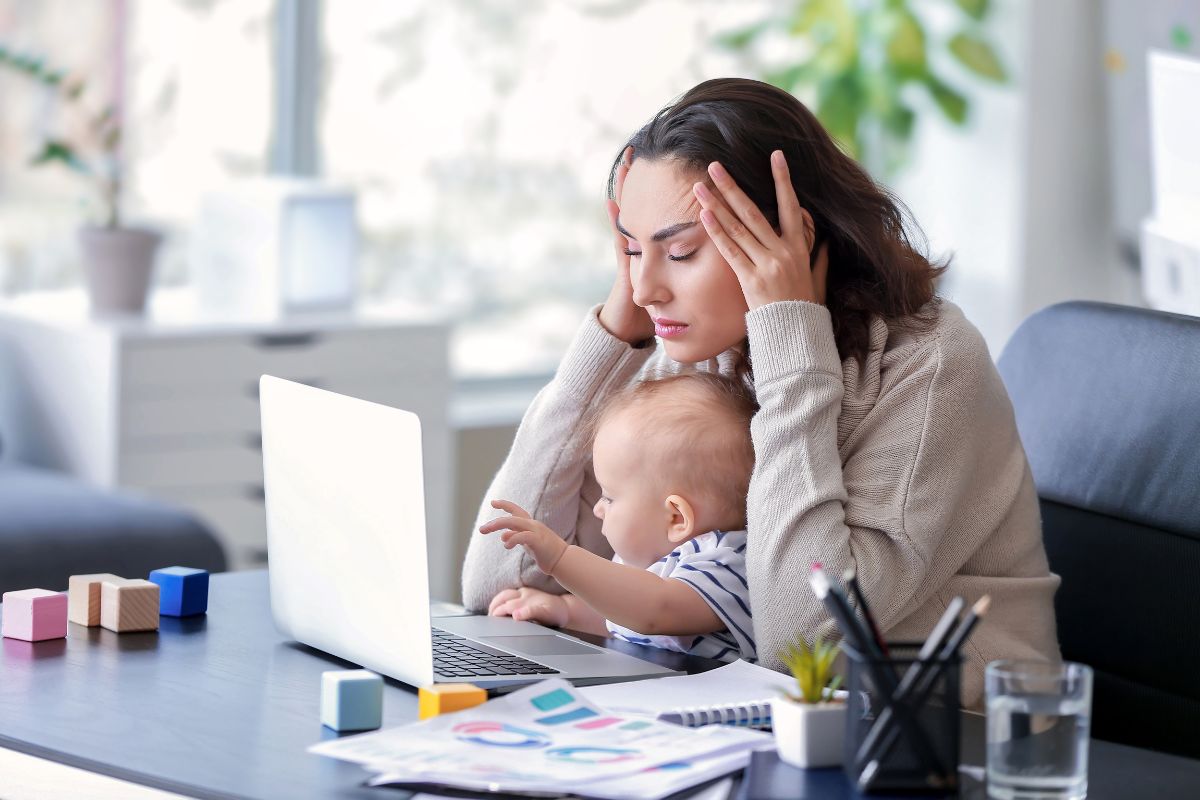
x: 633, y: 253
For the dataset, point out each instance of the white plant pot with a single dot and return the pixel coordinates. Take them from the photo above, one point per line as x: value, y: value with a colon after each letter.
x: 809, y: 735
x: 118, y: 264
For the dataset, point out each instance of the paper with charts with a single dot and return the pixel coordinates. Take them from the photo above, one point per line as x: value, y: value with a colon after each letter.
x: 547, y: 736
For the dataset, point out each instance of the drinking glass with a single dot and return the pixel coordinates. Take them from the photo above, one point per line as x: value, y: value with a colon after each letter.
x: 1038, y: 719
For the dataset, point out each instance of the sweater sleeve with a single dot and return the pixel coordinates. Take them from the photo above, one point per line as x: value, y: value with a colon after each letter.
x: 805, y: 505
x: 548, y: 468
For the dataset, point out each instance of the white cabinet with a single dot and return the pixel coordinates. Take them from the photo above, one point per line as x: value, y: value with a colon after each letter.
x: 167, y: 404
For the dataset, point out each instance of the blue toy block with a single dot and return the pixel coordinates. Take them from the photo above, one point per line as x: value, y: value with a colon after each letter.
x: 182, y: 591
x: 351, y: 700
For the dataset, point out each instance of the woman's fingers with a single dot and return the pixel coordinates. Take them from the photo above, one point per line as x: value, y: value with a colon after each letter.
x: 741, y: 207
x: 729, y: 249
x: 622, y: 171
x: 791, y: 219
x: 619, y: 243
x: 739, y: 246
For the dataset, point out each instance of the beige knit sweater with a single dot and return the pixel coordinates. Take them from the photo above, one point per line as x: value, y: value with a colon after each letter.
x: 910, y: 469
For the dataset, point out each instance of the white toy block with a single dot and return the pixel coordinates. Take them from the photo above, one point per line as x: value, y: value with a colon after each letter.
x: 83, y: 604
x: 351, y: 700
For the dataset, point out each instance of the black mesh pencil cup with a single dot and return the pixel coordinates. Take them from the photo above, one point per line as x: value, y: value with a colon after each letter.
x: 902, y: 732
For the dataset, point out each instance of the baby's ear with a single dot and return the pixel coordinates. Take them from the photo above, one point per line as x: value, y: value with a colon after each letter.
x: 681, y: 522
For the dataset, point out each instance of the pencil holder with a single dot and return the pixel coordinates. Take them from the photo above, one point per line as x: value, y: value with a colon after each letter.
x: 902, y: 732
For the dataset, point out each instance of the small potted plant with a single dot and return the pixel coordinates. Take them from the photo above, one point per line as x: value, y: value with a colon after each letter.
x: 810, y: 726
x: 118, y: 260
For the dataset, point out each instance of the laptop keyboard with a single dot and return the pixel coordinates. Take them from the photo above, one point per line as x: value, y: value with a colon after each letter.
x: 457, y: 657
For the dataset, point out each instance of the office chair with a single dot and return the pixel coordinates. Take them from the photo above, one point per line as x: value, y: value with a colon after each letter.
x: 1107, y: 401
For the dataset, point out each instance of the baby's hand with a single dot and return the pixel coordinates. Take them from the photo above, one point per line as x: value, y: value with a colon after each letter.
x: 530, y: 605
x: 546, y: 546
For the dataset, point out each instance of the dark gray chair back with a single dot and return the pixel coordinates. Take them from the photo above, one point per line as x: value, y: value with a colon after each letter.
x: 1107, y: 401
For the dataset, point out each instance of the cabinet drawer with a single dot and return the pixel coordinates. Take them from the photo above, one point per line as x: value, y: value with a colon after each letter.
x: 241, y: 524
x: 176, y: 421
x: 154, y: 368
x: 235, y: 512
x: 224, y: 462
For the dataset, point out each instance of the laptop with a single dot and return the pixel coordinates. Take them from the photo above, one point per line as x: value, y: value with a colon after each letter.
x: 346, y: 551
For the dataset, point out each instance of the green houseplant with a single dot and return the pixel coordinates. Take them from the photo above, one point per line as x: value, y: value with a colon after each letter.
x: 810, y: 726
x: 118, y: 259
x: 863, y: 64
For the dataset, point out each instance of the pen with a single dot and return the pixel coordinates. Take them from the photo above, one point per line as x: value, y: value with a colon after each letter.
x: 851, y: 580
x: 930, y: 677
x: 835, y: 602
x: 881, y: 675
x: 931, y: 646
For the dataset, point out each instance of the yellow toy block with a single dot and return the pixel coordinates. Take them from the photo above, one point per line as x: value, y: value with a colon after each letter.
x: 447, y: 697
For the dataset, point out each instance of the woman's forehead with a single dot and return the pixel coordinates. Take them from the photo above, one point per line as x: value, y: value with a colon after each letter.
x: 656, y: 195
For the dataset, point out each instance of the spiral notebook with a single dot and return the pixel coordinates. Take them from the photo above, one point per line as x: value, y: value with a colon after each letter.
x: 738, y: 693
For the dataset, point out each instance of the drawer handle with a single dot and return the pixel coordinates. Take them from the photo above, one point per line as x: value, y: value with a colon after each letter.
x: 258, y: 493
x: 254, y: 441
x: 287, y: 339
x: 252, y: 388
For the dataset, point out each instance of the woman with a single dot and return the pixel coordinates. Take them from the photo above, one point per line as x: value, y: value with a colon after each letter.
x: 884, y: 440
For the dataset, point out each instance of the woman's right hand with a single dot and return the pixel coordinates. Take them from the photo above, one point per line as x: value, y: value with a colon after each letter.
x: 620, y: 316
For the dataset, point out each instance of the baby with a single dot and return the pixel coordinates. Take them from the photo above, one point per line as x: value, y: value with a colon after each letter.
x: 673, y: 458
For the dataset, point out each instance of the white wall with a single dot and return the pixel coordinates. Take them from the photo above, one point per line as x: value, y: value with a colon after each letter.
x: 1021, y: 196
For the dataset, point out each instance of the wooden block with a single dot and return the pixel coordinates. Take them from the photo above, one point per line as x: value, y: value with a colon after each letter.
x: 183, y: 591
x: 351, y: 700
x: 446, y: 697
x: 129, y: 605
x: 34, y: 615
x: 83, y: 603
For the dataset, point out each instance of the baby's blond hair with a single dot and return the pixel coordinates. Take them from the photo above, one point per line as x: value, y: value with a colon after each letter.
x: 696, y: 422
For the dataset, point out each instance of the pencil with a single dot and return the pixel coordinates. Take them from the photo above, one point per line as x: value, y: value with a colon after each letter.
x: 851, y: 579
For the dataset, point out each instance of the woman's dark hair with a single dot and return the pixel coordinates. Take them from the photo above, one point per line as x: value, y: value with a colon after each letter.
x: 876, y: 263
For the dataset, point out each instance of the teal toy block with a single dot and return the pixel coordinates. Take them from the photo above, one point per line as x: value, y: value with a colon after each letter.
x: 182, y: 591
x: 351, y: 700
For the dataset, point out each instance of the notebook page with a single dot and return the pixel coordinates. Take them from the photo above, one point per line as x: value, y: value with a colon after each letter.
x: 737, y: 683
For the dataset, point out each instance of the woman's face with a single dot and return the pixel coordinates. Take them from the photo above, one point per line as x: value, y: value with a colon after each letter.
x: 681, y: 277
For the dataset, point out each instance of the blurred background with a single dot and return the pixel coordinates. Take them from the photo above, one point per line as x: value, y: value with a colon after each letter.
x: 471, y: 141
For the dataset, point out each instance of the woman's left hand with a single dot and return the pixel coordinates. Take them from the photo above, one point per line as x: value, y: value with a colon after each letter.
x: 770, y: 266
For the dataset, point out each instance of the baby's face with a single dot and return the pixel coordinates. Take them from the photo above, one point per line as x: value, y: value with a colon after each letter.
x: 632, y: 502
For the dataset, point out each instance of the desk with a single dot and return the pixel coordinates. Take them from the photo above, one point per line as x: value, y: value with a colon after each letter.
x: 222, y: 706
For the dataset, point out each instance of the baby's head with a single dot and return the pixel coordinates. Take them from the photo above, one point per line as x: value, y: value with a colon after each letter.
x: 673, y: 457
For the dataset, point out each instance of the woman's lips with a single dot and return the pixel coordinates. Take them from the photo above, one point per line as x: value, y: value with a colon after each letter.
x: 668, y: 330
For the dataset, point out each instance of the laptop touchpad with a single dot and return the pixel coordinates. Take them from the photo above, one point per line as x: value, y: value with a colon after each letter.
x: 540, y: 645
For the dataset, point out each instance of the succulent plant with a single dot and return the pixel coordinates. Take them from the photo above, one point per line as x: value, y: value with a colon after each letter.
x: 812, y: 667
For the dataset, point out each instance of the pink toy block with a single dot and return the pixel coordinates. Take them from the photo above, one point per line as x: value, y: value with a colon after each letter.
x: 34, y: 615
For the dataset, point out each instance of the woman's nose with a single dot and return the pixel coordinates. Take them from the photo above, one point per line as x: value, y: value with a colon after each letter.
x: 647, y: 284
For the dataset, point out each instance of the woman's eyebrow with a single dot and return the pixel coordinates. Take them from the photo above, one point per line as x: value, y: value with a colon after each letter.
x: 665, y: 233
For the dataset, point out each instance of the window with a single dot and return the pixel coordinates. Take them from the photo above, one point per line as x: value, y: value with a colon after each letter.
x: 477, y: 134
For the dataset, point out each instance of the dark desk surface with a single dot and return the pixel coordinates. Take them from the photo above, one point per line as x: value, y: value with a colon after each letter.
x: 222, y: 706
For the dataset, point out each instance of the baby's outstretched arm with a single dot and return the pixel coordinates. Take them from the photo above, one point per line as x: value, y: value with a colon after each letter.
x: 631, y: 597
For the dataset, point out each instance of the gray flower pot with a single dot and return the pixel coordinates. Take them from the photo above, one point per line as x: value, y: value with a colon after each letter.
x: 118, y: 264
